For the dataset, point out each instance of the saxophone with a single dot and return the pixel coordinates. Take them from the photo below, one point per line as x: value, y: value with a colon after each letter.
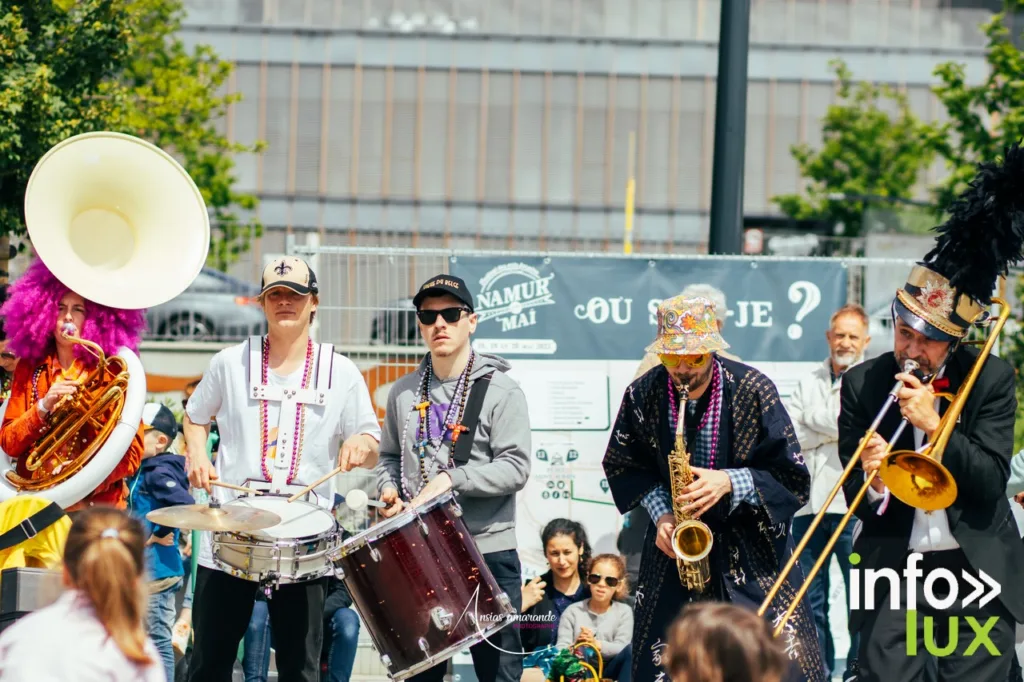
x: 691, y: 538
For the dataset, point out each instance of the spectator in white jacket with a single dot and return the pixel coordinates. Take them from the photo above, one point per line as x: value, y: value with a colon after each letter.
x: 814, y: 409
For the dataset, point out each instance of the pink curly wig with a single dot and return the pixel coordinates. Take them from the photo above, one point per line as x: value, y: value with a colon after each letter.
x: 30, y: 316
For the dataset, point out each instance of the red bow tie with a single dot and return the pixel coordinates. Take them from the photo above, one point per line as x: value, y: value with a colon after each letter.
x: 940, y: 384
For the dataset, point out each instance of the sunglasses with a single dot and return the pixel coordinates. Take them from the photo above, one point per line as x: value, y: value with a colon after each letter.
x: 693, y: 361
x: 7, y: 356
x: 594, y: 579
x: 450, y: 315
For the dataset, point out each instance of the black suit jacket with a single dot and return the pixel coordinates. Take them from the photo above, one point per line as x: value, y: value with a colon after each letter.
x: 977, y: 455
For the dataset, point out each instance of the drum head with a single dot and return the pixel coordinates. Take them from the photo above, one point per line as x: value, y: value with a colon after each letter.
x: 298, y: 519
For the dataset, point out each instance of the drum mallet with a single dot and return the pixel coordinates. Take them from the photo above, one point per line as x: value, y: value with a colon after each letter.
x: 357, y: 499
x: 360, y: 501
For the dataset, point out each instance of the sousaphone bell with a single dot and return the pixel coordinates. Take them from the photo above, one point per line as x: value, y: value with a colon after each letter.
x: 120, y: 222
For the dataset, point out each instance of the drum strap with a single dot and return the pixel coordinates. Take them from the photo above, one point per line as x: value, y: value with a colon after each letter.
x: 470, y: 419
x: 32, y: 526
x: 291, y: 401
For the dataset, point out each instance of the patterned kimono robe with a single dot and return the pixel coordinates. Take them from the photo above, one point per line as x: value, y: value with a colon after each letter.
x: 751, y: 543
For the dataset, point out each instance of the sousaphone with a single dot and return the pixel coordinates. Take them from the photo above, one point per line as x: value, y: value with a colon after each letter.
x: 119, y: 221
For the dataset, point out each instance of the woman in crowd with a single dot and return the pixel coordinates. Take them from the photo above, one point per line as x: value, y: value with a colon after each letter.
x: 547, y: 596
x: 602, y: 623
x: 99, y: 621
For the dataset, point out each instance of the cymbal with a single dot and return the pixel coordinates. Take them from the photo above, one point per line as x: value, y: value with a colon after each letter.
x: 230, y: 518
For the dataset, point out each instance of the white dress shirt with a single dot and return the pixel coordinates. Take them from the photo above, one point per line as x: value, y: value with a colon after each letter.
x: 930, y: 532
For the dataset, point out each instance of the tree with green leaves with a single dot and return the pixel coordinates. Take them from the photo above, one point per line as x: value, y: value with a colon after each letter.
x: 867, y: 154
x: 984, y: 118
x: 76, y: 66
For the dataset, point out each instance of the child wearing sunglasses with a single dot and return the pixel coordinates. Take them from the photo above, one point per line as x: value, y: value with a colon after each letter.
x: 601, y: 622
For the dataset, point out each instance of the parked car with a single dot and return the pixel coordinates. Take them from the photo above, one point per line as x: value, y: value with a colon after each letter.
x: 215, y: 307
x: 395, y: 324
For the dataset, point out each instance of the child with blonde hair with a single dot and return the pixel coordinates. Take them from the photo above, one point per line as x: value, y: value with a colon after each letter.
x: 601, y: 622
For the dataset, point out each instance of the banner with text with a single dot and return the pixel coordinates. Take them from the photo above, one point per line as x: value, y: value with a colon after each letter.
x: 605, y: 308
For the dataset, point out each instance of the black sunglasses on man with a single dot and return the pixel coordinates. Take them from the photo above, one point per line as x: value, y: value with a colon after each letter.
x: 450, y: 315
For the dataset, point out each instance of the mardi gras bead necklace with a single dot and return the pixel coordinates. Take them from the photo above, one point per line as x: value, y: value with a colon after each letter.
x: 712, y: 411
x: 452, y: 421
x: 300, y: 415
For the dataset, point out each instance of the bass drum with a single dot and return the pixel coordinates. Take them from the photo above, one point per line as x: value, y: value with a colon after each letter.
x: 422, y: 587
x: 76, y: 488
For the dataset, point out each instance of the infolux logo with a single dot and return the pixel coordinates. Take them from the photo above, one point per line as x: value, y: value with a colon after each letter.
x: 939, y: 581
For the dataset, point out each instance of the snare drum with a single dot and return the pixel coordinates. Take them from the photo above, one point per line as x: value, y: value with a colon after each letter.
x: 422, y: 587
x: 296, y: 550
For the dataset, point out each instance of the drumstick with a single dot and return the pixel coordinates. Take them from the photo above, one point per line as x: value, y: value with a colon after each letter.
x: 237, y: 487
x: 315, y: 484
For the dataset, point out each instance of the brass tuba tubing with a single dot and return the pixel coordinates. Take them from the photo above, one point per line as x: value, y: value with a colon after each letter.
x: 908, y: 367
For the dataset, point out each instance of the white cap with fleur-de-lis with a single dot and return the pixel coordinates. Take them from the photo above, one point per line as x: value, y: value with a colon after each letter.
x: 290, y: 272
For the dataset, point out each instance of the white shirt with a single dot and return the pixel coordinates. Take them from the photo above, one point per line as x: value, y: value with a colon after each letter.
x: 66, y: 641
x: 814, y: 410
x: 930, y: 532
x: 223, y: 393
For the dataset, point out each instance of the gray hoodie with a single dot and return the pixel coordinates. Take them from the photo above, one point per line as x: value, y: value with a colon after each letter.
x: 499, y: 461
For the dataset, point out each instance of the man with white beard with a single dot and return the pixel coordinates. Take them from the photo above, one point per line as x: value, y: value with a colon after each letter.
x: 814, y: 409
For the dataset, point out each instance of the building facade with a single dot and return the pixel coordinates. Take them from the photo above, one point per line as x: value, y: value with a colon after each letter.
x: 517, y: 123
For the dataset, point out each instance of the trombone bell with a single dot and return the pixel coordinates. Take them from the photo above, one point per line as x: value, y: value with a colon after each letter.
x: 918, y: 479
x: 692, y: 540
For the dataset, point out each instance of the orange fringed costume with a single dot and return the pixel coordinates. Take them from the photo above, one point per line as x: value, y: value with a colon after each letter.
x: 23, y: 427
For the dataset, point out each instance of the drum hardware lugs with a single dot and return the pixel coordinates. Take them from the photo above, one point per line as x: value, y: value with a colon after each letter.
x: 441, y: 617
x: 375, y: 554
x: 424, y: 647
x: 270, y: 584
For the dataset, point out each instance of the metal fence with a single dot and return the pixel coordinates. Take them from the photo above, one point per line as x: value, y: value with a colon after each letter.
x: 366, y: 295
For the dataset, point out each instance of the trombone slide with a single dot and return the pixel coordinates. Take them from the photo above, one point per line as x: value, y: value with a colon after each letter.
x: 908, y: 367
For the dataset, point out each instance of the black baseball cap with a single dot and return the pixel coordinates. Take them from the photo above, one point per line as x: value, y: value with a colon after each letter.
x: 159, y: 417
x: 444, y: 284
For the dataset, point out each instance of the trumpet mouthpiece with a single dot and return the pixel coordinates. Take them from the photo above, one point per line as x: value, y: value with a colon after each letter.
x: 909, y: 366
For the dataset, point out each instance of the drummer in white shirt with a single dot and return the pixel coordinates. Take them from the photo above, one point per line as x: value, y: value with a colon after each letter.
x: 331, y: 423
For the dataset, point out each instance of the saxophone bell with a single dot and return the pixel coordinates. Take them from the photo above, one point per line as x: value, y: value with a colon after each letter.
x: 692, y: 540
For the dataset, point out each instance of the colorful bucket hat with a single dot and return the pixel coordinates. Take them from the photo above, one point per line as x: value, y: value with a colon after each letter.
x: 687, y: 326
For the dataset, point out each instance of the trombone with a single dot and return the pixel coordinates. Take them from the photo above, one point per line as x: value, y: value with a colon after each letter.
x: 917, y: 479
